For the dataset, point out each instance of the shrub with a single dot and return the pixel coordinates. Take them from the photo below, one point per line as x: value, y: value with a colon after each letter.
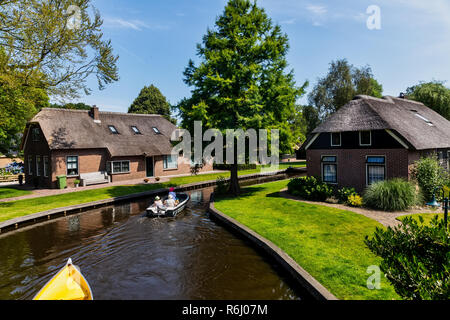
x: 221, y: 185
x: 241, y: 167
x: 76, y: 181
x: 343, y: 194
x: 429, y: 176
x: 416, y: 258
x: 309, y: 188
x: 355, y: 200
x: 391, y: 195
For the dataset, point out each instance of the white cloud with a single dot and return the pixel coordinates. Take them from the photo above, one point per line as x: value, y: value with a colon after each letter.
x: 134, y: 24
x: 318, y: 10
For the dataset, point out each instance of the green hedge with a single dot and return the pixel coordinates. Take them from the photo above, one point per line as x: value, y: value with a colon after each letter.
x: 309, y: 188
x: 241, y: 167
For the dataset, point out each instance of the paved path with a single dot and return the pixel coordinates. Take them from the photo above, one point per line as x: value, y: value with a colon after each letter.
x: 387, y: 219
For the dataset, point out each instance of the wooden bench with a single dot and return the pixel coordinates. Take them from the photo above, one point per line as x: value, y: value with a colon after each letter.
x: 9, y: 178
x: 87, y: 179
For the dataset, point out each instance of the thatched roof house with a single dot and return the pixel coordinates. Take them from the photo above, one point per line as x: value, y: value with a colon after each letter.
x: 391, y: 132
x: 76, y: 142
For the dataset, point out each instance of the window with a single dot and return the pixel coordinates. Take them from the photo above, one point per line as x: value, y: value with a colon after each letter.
x: 329, y: 169
x: 35, y: 134
x: 156, y: 130
x: 46, y: 166
x: 30, y: 165
x: 376, y: 169
x: 365, y: 138
x: 423, y: 118
x: 115, y: 167
x: 136, y: 130
x: 113, y: 130
x: 38, y: 166
x: 72, y: 166
x: 335, y: 139
x: 170, y: 162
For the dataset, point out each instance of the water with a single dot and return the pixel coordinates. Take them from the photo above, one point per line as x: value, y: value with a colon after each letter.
x: 126, y: 256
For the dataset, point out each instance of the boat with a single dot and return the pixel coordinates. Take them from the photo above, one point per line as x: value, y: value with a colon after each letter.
x: 67, y: 284
x: 154, y: 211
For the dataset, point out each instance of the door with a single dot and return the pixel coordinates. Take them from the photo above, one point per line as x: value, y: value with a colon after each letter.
x: 149, y: 166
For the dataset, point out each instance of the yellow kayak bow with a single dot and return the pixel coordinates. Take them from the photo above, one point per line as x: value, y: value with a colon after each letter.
x: 67, y: 284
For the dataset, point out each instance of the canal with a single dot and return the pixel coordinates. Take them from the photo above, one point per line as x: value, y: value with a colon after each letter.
x: 126, y: 256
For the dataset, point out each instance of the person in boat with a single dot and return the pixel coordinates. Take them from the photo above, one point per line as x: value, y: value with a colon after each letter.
x: 170, y: 202
x: 172, y: 192
x: 158, y: 203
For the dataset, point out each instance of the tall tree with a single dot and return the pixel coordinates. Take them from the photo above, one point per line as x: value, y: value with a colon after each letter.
x: 432, y: 94
x: 151, y: 101
x: 342, y: 83
x: 59, y: 42
x: 241, y: 81
x: 47, y: 48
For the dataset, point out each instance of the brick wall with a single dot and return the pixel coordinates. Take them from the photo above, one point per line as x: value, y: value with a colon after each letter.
x: 351, y: 164
x: 89, y: 160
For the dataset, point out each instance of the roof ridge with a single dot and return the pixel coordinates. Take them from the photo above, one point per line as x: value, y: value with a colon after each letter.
x: 104, y: 112
x: 63, y: 109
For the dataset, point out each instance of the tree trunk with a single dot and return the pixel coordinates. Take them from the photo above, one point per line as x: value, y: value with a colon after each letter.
x: 234, y: 181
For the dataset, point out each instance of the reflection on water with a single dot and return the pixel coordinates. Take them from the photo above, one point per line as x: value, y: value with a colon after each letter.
x: 124, y: 255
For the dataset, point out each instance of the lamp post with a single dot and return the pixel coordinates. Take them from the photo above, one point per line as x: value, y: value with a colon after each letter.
x: 433, y: 202
x: 446, y: 211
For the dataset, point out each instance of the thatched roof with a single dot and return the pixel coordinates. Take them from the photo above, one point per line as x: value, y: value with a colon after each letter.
x: 403, y: 116
x: 76, y: 129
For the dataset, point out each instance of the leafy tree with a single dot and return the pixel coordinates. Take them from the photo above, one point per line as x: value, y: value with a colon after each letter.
x: 72, y: 106
x: 432, y: 94
x: 429, y: 175
x: 416, y: 258
x: 342, y: 83
x: 241, y: 82
x: 18, y: 104
x: 44, y: 53
x: 61, y: 46
x: 311, y: 118
x: 151, y: 101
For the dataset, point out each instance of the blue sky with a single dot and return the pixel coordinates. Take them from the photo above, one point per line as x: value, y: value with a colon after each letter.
x: 155, y: 40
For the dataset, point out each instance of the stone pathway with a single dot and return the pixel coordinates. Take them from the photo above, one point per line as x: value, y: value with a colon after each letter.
x: 387, y: 219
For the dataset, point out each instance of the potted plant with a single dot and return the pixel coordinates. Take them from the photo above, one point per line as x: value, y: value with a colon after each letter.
x: 76, y: 183
x: 146, y: 180
x: 157, y: 178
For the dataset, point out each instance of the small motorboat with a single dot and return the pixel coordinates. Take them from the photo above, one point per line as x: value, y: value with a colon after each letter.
x: 154, y: 211
x: 67, y: 284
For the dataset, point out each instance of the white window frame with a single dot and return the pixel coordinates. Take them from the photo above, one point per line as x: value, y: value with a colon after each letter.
x: 111, y: 164
x: 164, y: 162
x: 38, y: 162
x: 136, y: 130
x: 370, y: 135
x: 45, y: 162
x: 156, y: 130
x: 329, y: 163
x: 78, y: 166
x: 30, y: 165
x: 375, y: 165
x: 340, y: 139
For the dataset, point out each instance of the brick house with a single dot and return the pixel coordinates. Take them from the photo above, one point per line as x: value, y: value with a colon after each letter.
x: 371, y: 139
x: 74, y: 142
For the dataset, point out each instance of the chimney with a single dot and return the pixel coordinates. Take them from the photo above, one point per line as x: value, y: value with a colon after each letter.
x: 94, y: 114
x: 402, y: 95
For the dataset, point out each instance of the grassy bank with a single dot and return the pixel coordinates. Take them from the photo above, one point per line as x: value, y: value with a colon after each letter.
x: 19, y: 208
x: 6, y: 192
x: 427, y: 217
x: 327, y: 242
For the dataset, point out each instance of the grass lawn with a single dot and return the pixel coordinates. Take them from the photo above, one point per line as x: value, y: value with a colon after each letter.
x: 427, y: 217
x: 6, y: 192
x: 14, y: 209
x: 327, y: 242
